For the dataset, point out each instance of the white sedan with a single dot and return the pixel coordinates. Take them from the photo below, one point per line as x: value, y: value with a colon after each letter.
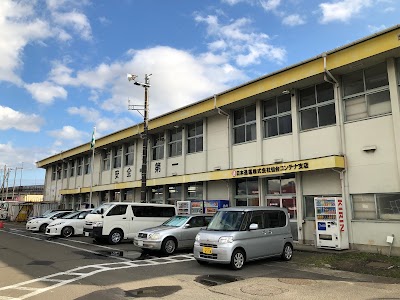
x: 71, y: 224
x: 40, y: 224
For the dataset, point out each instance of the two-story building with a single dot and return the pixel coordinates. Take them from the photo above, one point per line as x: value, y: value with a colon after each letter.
x: 328, y: 126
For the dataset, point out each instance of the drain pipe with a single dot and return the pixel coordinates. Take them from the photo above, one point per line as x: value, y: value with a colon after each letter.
x: 339, y: 109
x: 223, y: 113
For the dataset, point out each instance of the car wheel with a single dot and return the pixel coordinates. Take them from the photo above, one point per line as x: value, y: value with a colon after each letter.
x: 115, y: 236
x: 42, y: 227
x: 202, y: 262
x: 67, y: 231
x: 238, y: 259
x: 168, y: 246
x: 287, y: 252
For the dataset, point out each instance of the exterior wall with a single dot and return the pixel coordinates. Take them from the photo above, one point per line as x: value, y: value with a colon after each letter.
x: 245, y: 155
x: 195, y: 162
x: 319, y: 142
x: 217, y: 134
x: 278, y: 148
x: 324, y: 182
x: 371, y: 172
x: 218, y: 190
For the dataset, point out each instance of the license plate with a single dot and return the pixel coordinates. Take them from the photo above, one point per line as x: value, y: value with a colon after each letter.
x: 86, y: 233
x: 140, y: 243
x: 207, y: 250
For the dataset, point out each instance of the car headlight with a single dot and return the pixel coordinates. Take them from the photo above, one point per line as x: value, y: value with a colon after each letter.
x: 197, y: 238
x: 225, y: 239
x: 98, y: 224
x: 154, y: 236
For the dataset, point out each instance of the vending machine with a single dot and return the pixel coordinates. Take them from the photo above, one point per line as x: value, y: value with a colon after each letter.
x: 331, y: 225
x: 183, y: 207
x: 212, y: 206
x: 197, y: 207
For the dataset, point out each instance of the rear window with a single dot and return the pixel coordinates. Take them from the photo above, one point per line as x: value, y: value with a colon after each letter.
x: 149, y: 211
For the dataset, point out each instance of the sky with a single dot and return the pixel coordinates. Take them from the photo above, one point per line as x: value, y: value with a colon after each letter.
x: 64, y: 63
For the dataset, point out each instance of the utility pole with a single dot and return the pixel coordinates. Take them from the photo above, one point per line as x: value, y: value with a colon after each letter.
x: 15, y: 175
x: 145, y: 109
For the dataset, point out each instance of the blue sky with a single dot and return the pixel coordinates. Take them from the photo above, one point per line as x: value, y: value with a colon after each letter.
x: 64, y: 62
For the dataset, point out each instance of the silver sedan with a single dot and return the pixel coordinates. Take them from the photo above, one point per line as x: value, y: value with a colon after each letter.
x: 178, y: 232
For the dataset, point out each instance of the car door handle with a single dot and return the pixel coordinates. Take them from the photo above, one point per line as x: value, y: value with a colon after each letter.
x: 124, y: 218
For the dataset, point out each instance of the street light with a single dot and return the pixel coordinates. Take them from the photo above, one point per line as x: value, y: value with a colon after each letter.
x: 145, y: 109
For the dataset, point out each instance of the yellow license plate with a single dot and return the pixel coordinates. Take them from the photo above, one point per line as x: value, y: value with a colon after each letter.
x: 207, y: 250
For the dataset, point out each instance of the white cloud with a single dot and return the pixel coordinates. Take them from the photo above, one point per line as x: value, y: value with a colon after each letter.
x: 374, y: 29
x: 270, y: 4
x: 46, y: 92
x: 70, y: 134
x: 76, y: 20
x: 342, y: 10
x: 237, y: 41
x: 18, y: 28
x: 15, y: 157
x: 293, y: 20
x: 10, y: 118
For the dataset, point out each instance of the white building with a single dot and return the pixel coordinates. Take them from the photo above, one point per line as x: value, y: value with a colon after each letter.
x: 328, y: 126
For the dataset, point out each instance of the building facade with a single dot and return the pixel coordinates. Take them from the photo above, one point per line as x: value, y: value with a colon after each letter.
x: 328, y: 126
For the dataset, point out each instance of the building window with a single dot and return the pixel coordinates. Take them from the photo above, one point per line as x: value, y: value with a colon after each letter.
x: 244, y: 124
x: 195, y: 137
x: 195, y: 191
x: 158, y: 146
x: 247, y: 192
x: 175, y: 142
x: 277, y: 116
x: 317, y: 106
x: 157, y: 194
x: 65, y: 170
x: 117, y: 157
x: 79, y: 166
x: 106, y: 160
x: 174, y: 194
x: 53, y: 172
x: 129, y: 148
x: 72, y: 169
x: 87, y: 164
x: 58, y: 170
x: 376, y: 206
x: 281, y: 192
x: 366, y: 93
x: 309, y: 207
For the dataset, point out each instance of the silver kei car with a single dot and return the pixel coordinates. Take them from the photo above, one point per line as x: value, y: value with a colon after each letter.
x: 176, y: 233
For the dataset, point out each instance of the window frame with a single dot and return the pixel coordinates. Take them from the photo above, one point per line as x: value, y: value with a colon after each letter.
x: 377, y: 209
x: 79, y: 162
x: 197, y: 138
x: 316, y: 106
x: 117, y: 157
x: 364, y: 94
x: 175, y: 142
x: 245, y: 124
x: 106, y: 162
x: 278, y: 115
x: 129, y: 154
x: 87, y: 164
x: 157, y: 148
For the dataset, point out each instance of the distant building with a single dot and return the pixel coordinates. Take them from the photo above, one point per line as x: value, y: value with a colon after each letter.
x: 327, y: 126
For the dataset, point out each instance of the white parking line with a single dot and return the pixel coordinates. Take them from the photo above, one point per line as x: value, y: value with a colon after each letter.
x: 79, y: 274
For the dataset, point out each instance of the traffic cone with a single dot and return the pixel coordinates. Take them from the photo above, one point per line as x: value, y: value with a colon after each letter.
x: 1, y: 224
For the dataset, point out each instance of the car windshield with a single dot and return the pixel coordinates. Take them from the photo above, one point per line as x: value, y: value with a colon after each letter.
x: 72, y: 215
x: 104, y: 206
x: 52, y: 214
x: 226, y: 221
x: 176, y: 221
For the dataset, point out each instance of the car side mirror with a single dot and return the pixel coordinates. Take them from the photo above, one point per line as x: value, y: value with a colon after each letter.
x: 101, y: 211
x: 253, y: 226
x: 186, y: 226
x: 53, y: 218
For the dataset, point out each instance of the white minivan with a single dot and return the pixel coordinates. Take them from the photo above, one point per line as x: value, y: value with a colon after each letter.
x: 115, y: 221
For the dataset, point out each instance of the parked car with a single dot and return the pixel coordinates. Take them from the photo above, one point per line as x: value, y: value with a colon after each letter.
x: 176, y: 233
x: 115, y: 221
x: 40, y: 224
x: 49, y: 211
x: 239, y: 234
x: 68, y: 225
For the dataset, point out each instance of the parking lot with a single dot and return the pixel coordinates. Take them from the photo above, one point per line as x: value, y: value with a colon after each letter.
x: 37, y: 267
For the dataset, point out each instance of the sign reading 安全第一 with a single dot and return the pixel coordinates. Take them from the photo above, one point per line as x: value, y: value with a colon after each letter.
x: 273, y: 169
